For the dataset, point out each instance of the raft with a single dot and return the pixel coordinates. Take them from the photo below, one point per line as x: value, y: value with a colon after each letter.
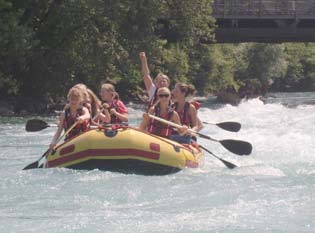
x: 124, y: 149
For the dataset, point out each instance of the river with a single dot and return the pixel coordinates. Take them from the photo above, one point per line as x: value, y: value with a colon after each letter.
x: 272, y: 190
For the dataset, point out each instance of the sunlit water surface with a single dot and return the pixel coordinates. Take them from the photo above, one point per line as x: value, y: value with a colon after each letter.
x: 272, y: 190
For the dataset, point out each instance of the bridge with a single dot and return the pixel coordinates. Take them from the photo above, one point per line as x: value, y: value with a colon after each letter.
x: 270, y: 21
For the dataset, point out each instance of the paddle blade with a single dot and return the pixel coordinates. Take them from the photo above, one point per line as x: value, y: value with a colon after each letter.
x: 230, y: 126
x: 226, y: 163
x: 31, y: 166
x: 34, y: 125
x: 36, y: 163
x: 237, y: 147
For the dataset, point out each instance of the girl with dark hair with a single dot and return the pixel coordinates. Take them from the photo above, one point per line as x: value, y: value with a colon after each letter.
x: 113, y: 106
x: 187, y: 111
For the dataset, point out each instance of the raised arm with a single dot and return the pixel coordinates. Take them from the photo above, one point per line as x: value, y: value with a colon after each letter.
x: 145, y: 72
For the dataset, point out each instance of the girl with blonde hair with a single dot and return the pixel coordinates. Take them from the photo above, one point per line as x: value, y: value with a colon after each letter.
x: 162, y: 109
x: 74, y: 113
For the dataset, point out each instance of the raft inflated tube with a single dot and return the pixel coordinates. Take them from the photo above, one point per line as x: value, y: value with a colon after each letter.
x: 126, y: 150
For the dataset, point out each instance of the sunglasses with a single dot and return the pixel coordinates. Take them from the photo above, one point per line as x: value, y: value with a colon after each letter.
x: 164, y: 95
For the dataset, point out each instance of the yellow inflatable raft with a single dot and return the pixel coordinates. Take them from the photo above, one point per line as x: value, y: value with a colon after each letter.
x: 124, y: 149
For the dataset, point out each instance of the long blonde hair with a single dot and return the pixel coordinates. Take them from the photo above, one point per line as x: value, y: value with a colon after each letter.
x: 95, y: 102
x: 83, y: 88
x: 75, y: 92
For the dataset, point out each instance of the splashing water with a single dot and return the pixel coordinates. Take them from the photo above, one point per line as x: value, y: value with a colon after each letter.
x: 272, y: 190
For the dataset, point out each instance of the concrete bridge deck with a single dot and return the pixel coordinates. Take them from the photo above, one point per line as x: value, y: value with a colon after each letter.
x: 264, y: 20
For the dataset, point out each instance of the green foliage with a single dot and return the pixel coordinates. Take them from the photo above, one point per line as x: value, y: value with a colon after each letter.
x: 212, y: 68
x: 48, y: 46
x: 16, y: 42
x: 51, y: 45
x: 267, y: 62
x: 176, y: 63
x: 301, y: 67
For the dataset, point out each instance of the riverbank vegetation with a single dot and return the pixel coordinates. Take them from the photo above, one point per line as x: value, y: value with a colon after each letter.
x: 47, y: 46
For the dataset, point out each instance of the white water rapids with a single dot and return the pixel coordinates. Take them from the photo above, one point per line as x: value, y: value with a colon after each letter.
x: 272, y: 190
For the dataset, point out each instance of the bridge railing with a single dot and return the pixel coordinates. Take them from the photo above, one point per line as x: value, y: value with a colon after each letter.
x: 238, y: 9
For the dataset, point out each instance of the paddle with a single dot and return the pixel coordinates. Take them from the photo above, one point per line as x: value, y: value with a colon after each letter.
x: 228, y: 125
x: 36, y: 163
x: 234, y: 146
x: 226, y: 163
x: 34, y: 125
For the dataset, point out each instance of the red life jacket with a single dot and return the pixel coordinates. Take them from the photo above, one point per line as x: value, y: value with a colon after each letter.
x: 113, y: 118
x: 196, y: 104
x: 184, y: 117
x: 159, y: 128
x: 70, y: 120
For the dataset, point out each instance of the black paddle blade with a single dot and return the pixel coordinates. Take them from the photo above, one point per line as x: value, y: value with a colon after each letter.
x: 237, y: 147
x: 226, y: 163
x: 31, y: 166
x: 34, y: 125
x: 230, y: 126
x: 36, y: 163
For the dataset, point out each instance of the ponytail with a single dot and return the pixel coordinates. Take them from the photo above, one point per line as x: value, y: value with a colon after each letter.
x: 110, y: 87
x: 188, y: 89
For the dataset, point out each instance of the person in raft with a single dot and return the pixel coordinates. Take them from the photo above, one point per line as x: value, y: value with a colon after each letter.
x: 186, y: 110
x: 74, y: 113
x: 86, y: 102
x: 161, y: 80
x: 114, y: 110
x: 90, y: 101
x: 162, y: 108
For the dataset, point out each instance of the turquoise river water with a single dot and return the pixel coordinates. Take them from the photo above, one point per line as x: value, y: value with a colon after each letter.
x: 272, y: 190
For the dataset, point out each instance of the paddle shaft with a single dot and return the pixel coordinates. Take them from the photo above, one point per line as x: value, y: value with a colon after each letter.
x: 235, y: 146
x: 179, y: 126
x: 67, y: 132
x: 36, y: 163
x: 226, y: 163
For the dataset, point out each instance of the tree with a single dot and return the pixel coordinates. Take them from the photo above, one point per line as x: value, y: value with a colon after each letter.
x: 266, y: 62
